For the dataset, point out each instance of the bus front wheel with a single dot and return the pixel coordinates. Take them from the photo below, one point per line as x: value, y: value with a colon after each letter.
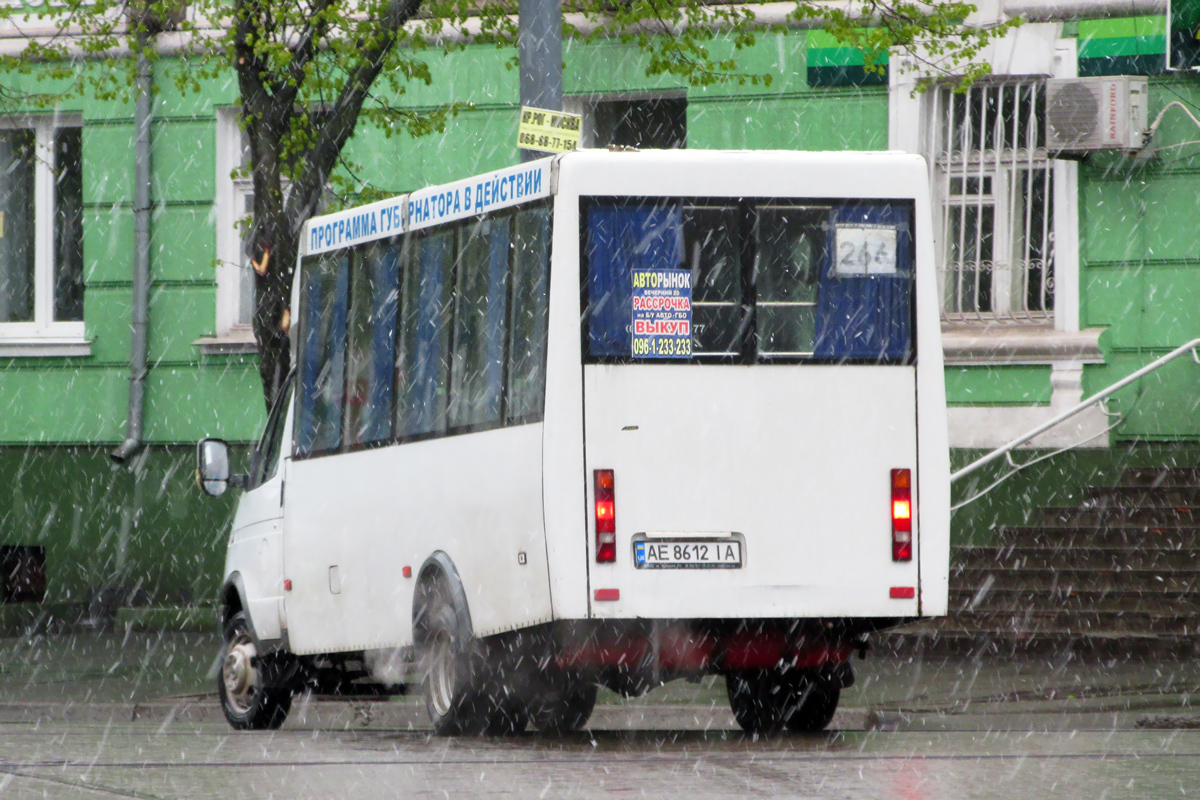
x: 248, y: 698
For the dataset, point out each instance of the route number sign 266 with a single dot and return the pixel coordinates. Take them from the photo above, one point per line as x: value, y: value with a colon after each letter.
x: 865, y: 250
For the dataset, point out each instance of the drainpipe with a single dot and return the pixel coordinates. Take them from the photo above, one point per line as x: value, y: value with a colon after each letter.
x: 133, y: 443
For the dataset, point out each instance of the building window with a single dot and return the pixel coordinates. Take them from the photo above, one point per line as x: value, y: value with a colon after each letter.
x: 41, y: 230
x: 643, y: 122
x: 993, y: 183
x: 235, y: 203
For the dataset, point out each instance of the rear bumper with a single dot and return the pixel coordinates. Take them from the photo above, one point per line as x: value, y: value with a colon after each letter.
x: 682, y: 647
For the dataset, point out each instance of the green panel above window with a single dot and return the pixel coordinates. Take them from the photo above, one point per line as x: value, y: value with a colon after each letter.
x: 832, y: 63
x: 1123, y: 46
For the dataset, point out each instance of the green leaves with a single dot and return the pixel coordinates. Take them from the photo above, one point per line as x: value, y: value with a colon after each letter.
x: 677, y: 37
x: 298, y: 59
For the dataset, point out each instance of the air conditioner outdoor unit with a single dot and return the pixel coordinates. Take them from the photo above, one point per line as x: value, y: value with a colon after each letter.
x: 1086, y: 115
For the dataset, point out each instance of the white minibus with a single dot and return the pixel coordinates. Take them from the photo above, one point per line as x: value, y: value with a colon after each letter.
x: 606, y: 419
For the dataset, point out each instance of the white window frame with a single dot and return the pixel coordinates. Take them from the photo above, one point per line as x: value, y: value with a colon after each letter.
x: 231, y: 335
x: 44, y: 336
x: 997, y: 172
x: 1032, y: 49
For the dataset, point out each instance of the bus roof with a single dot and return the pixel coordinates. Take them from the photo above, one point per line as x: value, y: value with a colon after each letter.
x: 511, y: 186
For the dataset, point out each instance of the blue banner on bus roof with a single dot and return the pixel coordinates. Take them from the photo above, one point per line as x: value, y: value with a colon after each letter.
x: 478, y: 195
x: 437, y: 204
x: 355, y: 225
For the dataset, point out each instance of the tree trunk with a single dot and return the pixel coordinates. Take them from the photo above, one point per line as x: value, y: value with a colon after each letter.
x: 275, y: 251
x: 270, y: 317
x: 269, y: 104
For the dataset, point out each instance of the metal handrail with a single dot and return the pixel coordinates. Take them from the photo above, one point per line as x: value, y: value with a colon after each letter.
x: 1091, y: 401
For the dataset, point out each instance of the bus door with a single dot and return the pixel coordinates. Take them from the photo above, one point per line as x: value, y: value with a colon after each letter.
x: 749, y: 388
x: 256, y: 549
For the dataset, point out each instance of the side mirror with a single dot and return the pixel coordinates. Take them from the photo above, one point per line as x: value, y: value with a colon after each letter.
x: 212, y: 466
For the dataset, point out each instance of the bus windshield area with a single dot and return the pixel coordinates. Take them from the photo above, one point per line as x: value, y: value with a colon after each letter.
x: 747, y: 280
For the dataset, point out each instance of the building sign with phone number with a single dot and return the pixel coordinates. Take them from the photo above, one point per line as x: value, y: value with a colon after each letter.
x: 548, y: 131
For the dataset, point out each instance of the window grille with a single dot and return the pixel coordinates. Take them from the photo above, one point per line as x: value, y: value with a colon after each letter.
x: 994, y: 189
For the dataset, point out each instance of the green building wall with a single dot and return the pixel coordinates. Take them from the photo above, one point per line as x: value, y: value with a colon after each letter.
x: 1140, y: 277
x: 148, y: 527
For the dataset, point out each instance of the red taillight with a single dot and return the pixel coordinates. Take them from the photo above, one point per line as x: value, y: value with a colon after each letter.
x: 902, y: 515
x: 606, y: 517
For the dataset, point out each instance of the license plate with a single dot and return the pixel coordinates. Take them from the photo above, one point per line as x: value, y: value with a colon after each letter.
x: 687, y: 554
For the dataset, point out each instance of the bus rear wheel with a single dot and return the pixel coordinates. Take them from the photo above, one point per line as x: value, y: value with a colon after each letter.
x: 814, y: 703
x: 768, y: 700
x: 566, y: 710
x: 248, y: 699
x: 458, y: 697
x: 758, y: 699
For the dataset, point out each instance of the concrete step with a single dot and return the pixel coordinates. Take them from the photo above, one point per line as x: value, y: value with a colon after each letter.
x: 1175, y: 517
x: 1104, y: 559
x: 988, y: 599
x: 1160, y: 476
x: 1044, y: 579
x: 1173, y: 538
x: 1141, y: 497
x: 1069, y: 623
x: 919, y: 640
x: 1120, y: 571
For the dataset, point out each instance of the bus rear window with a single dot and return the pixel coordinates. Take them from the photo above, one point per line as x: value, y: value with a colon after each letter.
x: 747, y: 280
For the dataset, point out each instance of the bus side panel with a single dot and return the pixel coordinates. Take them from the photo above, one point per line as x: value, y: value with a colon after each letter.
x: 933, y: 477
x: 477, y: 497
x: 566, y: 534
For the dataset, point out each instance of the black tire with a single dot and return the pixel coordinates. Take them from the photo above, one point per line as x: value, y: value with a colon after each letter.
x: 450, y: 684
x: 459, y: 698
x: 566, y: 710
x: 814, y: 703
x: 504, y: 718
x: 758, y: 699
x: 248, y: 699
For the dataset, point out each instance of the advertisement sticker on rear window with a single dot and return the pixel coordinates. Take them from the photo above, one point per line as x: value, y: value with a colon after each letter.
x: 662, y: 313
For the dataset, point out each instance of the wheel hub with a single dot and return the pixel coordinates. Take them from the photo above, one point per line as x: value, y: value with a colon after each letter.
x: 441, y: 673
x: 239, y: 674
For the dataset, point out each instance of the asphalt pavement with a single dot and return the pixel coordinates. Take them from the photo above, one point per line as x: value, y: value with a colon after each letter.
x: 161, y: 676
x: 97, y: 716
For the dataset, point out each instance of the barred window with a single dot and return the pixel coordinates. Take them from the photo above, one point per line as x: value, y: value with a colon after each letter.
x: 993, y: 187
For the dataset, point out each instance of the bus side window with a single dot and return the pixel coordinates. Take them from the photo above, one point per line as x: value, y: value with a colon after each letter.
x: 371, y: 343
x: 427, y: 305
x: 477, y: 363
x: 322, y: 354
x: 526, y: 389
